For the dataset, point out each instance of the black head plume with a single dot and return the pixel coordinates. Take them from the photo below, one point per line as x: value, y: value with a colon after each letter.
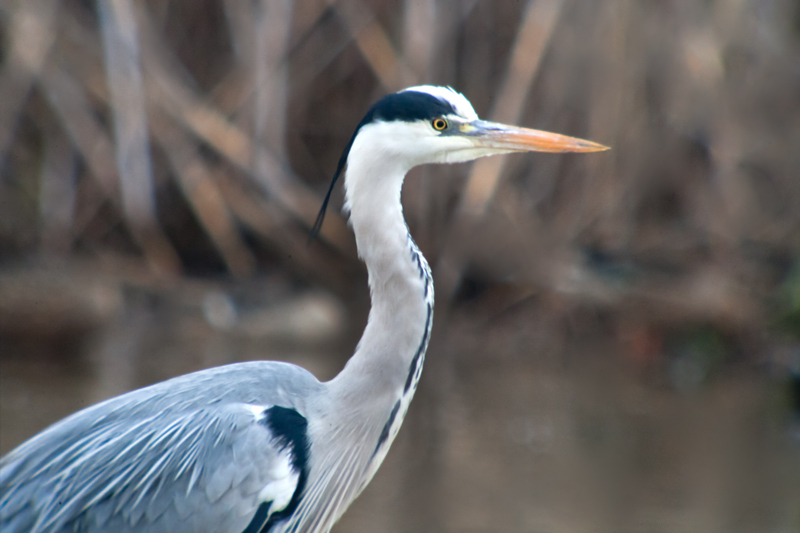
x: 315, y: 229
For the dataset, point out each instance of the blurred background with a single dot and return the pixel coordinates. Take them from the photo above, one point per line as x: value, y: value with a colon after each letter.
x: 617, y: 335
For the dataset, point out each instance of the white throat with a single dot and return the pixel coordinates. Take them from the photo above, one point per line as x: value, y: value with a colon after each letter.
x: 382, y: 375
x: 399, y: 278
x: 376, y: 386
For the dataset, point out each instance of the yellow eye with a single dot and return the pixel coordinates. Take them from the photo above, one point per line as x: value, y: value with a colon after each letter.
x: 439, y: 124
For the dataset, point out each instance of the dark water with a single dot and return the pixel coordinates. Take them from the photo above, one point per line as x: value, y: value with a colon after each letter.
x: 511, y: 430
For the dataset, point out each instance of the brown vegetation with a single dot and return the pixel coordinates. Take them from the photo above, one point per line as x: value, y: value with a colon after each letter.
x: 165, y: 144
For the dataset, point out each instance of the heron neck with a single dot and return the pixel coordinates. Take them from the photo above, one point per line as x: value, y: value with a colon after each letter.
x: 389, y: 356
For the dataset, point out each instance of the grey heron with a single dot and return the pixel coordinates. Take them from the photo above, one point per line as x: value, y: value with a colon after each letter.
x: 264, y: 446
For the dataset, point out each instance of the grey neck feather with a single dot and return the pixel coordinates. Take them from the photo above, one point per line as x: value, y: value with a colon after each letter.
x: 372, y: 393
x: 400, y: 286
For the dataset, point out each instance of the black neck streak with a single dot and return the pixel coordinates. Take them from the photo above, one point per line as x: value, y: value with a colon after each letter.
x: 415, y: 369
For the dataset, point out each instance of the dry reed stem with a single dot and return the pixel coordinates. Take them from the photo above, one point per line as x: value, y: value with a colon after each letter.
x: 203, y: 195
x: 533, y: 37
x: 32, y: 31
x: 374, y: 44
x: 121, y: 46
x: 530, y: 44
x: 296, y: 76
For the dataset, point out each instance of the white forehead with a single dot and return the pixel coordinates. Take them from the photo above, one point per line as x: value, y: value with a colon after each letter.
x: 456, y: 99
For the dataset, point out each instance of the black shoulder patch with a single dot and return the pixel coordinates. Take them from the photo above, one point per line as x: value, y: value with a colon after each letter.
x: 258, y: 522
x: 407, y: 106
x: 290, y: 430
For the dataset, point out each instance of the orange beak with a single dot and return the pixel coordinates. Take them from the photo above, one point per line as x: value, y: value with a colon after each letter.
x: 515, y: 139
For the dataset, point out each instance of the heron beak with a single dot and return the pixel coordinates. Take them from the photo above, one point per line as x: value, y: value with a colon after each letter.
x: 514, y: 139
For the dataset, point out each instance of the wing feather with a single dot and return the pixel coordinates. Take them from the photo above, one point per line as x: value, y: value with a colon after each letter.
x: 104, y: 475
x: 183, y: 455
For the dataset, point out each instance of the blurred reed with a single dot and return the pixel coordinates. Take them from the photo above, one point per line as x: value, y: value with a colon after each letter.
x: 243, y: 108
x: 171, y: 141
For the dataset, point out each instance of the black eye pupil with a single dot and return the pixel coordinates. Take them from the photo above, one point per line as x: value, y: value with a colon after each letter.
x: 439, y: 124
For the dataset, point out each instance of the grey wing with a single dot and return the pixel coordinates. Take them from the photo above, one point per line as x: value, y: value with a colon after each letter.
x: 205, y: 469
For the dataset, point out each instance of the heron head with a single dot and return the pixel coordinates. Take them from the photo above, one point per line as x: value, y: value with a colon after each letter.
x: 432, y: 124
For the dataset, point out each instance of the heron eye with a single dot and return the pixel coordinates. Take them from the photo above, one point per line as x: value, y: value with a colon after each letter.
x: 439, y: 124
